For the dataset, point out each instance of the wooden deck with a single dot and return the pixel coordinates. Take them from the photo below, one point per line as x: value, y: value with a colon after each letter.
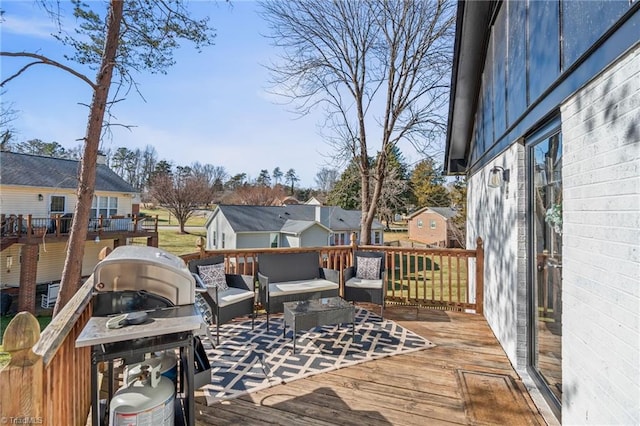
x: 465, y: 379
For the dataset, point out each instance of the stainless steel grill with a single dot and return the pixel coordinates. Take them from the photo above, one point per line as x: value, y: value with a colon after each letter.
x: 136, y: 278
x: 140, y: 278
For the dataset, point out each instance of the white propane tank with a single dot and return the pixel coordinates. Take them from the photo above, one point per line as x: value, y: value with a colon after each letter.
x: 147, y: 398
x: 168, y: 364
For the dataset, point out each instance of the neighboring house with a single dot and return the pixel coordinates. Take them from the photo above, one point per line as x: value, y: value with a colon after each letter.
x: 545, y: 122
x: 300, y: 225
x: 313, y: 201
x: 37, y: 201
x: 431, y: 226
x: 285, y: 201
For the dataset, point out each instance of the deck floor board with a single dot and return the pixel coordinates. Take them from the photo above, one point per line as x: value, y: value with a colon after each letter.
x: 412, y: 389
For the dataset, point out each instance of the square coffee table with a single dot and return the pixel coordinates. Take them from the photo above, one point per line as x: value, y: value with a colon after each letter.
x: 307, y: 314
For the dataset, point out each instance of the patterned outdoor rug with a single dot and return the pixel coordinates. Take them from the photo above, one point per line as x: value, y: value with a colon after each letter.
x: 249, y: 360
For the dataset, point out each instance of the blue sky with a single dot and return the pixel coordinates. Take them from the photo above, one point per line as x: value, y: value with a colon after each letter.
x: 211, y: 107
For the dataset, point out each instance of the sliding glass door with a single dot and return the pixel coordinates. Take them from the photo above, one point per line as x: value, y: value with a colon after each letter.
x: 545, y: 290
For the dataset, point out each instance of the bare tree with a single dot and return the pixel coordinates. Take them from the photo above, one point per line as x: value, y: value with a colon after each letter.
x: 214, y: 175
x: 181, y: 194
x: 393, y: 198
x: 377, y: 67
x: 7, y: 115
x: 148, y: 165
x: 326, y: 178
x: 256, y: 195
x: 138, y: 35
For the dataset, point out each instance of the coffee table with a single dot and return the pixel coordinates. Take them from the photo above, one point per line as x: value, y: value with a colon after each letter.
x: 307, y: 314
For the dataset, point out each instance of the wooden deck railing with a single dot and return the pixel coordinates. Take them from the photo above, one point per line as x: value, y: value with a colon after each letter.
x: 20, y: 226
x: 437, y: 278
x: 47, y: 380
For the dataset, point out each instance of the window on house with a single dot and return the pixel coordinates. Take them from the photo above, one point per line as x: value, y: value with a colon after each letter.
x: 105, y: 206
x: 57, y: 204
x: 377, y: 237
x: 215, y: 238
x: 274, y: 240
x: 432, y: 224
x: 419, y: 223
x: 223, y: 238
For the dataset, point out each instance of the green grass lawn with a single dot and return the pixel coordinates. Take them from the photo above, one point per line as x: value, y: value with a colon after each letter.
x: 167, y: 219
x: 171, y: 240
x: 428, y: 278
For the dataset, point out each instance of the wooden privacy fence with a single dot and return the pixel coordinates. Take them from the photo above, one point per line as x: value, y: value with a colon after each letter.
x: 48, y: 379
x: 437, y: 278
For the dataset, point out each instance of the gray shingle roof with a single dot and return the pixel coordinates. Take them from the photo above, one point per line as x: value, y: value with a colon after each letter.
x: 273, y: 218
x: 295, y: 226
x: 37, y: 171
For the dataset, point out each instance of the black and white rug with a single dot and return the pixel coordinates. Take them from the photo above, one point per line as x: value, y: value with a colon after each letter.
x: 249, y: 360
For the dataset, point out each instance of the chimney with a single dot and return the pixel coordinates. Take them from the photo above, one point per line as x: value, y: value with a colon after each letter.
x: 102, y: 159
x: 319, y: 214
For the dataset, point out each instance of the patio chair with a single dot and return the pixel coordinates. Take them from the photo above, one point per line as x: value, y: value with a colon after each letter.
x: 49, y: 300
x: 365, y: 281
x: 228, y: 295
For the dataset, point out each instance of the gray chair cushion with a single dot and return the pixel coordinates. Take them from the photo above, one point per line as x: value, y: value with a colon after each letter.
x: 289, y: 267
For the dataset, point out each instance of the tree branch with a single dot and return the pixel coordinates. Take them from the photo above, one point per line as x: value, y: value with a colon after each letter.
x: 43, y: 60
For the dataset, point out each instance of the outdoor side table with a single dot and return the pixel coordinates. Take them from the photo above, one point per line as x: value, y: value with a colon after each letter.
x: 307, y: 314
x: 169, y: 328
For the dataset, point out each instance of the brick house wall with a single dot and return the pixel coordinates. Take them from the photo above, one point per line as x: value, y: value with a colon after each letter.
x: 428, y: 227
x: 601, y: 248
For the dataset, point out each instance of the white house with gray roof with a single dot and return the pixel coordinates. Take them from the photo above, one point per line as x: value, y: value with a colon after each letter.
x: 37, y: 200
x: 301, y: 225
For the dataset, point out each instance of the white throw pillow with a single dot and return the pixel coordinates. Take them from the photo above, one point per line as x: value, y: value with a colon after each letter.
x: 368, y: 268
x: 213, y: 276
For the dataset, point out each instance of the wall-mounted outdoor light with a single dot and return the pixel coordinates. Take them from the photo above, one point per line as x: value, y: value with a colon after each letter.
x: 498, y: 176
x: 40, y: 197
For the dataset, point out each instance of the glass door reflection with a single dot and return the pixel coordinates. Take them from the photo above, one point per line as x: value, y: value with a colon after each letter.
x: 546, y: 354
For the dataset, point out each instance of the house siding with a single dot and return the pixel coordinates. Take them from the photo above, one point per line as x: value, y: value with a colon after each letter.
x: 601, y: 215
x: 50, y: 262
x: 10, y: 277
x: 252, y: 240
x: 587, y: 82
x: 220, y: 225
x: 315, y: 236
x: 24, y: 200
x: 496, y: 215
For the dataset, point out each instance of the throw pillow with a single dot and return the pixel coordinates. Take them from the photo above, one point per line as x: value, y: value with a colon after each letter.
x: 368, y: 268
x: 213, y: 276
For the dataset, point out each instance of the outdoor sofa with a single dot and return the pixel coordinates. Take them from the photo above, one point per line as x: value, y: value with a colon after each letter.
x: 288, y: 277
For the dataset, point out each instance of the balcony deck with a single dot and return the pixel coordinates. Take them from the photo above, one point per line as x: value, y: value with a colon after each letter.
x: 19, y: 229
x: 465, y: 379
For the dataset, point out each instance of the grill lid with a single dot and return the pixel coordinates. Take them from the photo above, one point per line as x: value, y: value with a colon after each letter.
x: 150, y: 269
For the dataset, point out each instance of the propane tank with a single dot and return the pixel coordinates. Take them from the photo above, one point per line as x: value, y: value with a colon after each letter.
x: 147, y: 398
x: 168, y: 364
